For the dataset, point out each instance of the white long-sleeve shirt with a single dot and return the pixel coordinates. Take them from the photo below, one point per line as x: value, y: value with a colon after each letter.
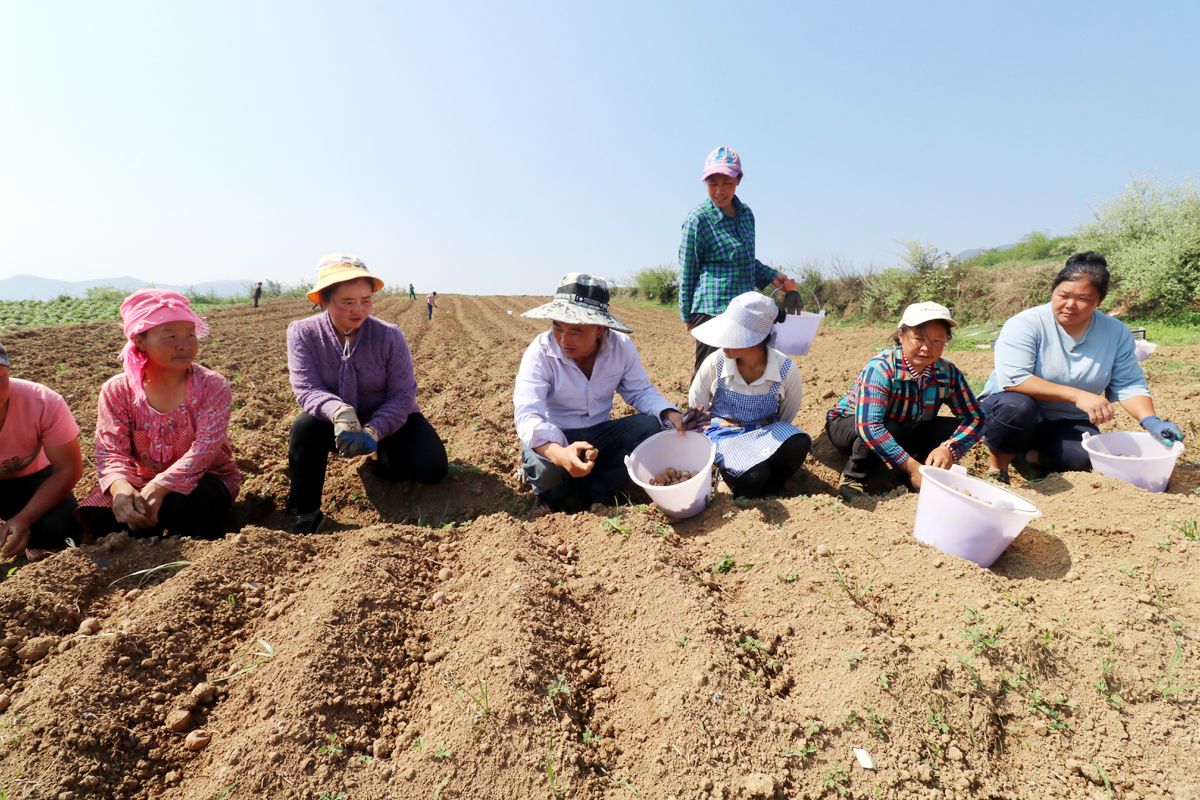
x: 552, y: 393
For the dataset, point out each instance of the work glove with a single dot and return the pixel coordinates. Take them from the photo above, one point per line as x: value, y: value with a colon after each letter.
x: 358, y: 443
x: 348, y: 434
x: 1163, y: 430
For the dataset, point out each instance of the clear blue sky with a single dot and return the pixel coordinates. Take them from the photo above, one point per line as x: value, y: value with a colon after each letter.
x: 480, y: 148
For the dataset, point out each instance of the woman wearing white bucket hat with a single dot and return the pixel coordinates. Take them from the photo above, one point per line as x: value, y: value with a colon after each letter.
x: 753, y: 392
x: 890, y: 412
x: 563, y: 398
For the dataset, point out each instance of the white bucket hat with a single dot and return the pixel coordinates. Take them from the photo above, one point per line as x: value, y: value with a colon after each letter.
x: 920, y: 313
x: 581, y: 299
x: 749, y: 320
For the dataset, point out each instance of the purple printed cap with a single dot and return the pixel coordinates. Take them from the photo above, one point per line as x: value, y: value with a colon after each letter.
x: 723, y: 161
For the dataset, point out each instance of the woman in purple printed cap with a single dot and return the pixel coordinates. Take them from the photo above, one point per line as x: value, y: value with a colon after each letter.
x: 716, y: 256
x: 353, y: 378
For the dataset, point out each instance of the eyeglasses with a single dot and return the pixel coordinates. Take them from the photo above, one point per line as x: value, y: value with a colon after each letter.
x: 932, y: 344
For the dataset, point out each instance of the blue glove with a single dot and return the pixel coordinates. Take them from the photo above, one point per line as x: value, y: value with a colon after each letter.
x: 1162, y: 429
x: 355, y: 443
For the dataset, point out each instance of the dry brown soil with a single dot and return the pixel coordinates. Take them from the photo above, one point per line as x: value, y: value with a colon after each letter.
x: 440, y: 644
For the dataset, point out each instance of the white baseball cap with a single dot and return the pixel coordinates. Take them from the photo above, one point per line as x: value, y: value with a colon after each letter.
x: 920, y: 313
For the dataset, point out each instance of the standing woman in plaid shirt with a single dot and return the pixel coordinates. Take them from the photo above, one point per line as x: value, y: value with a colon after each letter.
x: 716, y: 257
x: 890, y: 412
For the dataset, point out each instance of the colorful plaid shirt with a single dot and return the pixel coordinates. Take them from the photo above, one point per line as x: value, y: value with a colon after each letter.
x: 886, y: 389
x: 716, y: 259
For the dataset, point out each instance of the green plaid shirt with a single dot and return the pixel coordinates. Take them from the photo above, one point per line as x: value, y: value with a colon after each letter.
x: 716, y: 259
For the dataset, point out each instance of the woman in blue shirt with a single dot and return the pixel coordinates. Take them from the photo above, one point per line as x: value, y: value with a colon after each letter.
x: 1059, y: 369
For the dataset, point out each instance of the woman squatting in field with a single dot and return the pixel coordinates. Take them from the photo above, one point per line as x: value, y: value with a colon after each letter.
x: 890, y: 412
x: 352, y: 375
x: 40, y: 464
x: 162, y: 429
x: 1059, y: 367
x: 564, y: 393
x: 753, y: 392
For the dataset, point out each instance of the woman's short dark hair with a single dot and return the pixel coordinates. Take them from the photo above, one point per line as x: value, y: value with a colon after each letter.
x: 1090, y: 265
x: 904, y: 329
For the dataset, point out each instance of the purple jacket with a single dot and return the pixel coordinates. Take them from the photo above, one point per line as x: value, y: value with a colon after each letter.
x: 376, y: 379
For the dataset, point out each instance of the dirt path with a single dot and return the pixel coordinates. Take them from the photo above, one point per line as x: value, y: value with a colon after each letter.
x: 441, y: 645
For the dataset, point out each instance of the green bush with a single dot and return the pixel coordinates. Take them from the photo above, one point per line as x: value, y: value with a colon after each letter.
x: 885, y: 294
x: 1033, y: 247
x: 1151, y: 238
x: 660, y: 284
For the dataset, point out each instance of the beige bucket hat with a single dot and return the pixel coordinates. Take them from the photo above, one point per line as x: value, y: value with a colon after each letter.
x: 339, y: 267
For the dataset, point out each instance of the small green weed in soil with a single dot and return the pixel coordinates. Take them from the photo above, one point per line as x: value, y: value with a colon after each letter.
x: 836, y: 778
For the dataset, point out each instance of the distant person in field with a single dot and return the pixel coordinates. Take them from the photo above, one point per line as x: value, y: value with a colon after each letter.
x: 889, y: 414
x: 412, y: 293
x: 40, y: 463
x: 564, y: 393
x: 1060, y: 369
x: 716, y: 256
x: 352, y: 375
x: 430, y: 304
x: 162, y: 429
x: 257, y: 293
x: 753, y: 392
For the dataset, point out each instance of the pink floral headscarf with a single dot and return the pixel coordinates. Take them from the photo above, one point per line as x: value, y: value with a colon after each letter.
x: 143, y: 310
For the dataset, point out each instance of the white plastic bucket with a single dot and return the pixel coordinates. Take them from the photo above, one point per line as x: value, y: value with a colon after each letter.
x: 1143, y: 349
x: 978, y: 526
x: 689, y: 451
x: 1135, y: 458
x: 796, y: 333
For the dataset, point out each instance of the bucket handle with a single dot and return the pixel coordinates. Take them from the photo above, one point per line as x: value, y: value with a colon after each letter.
x: 816, y: 299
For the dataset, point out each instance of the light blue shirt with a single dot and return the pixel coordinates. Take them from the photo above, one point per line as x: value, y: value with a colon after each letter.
x: 552, y: 394
x: 1101, y: 361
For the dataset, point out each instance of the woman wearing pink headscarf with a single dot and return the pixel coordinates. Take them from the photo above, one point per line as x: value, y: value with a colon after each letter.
x: 162, y: 429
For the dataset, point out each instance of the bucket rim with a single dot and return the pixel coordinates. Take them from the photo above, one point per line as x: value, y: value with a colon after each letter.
x: 927, y: 473
x: 1173, y: 452
x: 706, y: 470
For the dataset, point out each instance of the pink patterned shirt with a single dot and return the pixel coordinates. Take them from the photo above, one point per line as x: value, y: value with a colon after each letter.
x: 174, y: 449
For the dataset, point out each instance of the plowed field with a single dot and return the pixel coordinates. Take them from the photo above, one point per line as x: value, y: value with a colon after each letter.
x: 440, y: 644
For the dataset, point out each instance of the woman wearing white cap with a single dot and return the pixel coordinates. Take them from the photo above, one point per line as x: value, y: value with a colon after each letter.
x: 564, y: 393
x: 890, y: 412
x: 753, y: 392
x: 352, y: 375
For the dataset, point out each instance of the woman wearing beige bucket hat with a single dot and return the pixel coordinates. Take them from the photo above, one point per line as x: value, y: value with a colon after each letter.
x: 564, y: 393
x: 352, y: 375
x: 890, y: 412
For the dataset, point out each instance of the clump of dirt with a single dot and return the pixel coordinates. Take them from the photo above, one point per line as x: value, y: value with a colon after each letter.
x: 443, y: 644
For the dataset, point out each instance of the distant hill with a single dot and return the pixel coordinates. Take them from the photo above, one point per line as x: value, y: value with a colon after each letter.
x: 965, y: 254
x: 32, y: 287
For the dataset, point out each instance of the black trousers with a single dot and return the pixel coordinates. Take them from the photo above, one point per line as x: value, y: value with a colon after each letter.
x: 51, y: 531
x: 768, y: 477
x: 200, y: 515
x: 918, y: 439
x: 703, y: 351
x: 413, y: 453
